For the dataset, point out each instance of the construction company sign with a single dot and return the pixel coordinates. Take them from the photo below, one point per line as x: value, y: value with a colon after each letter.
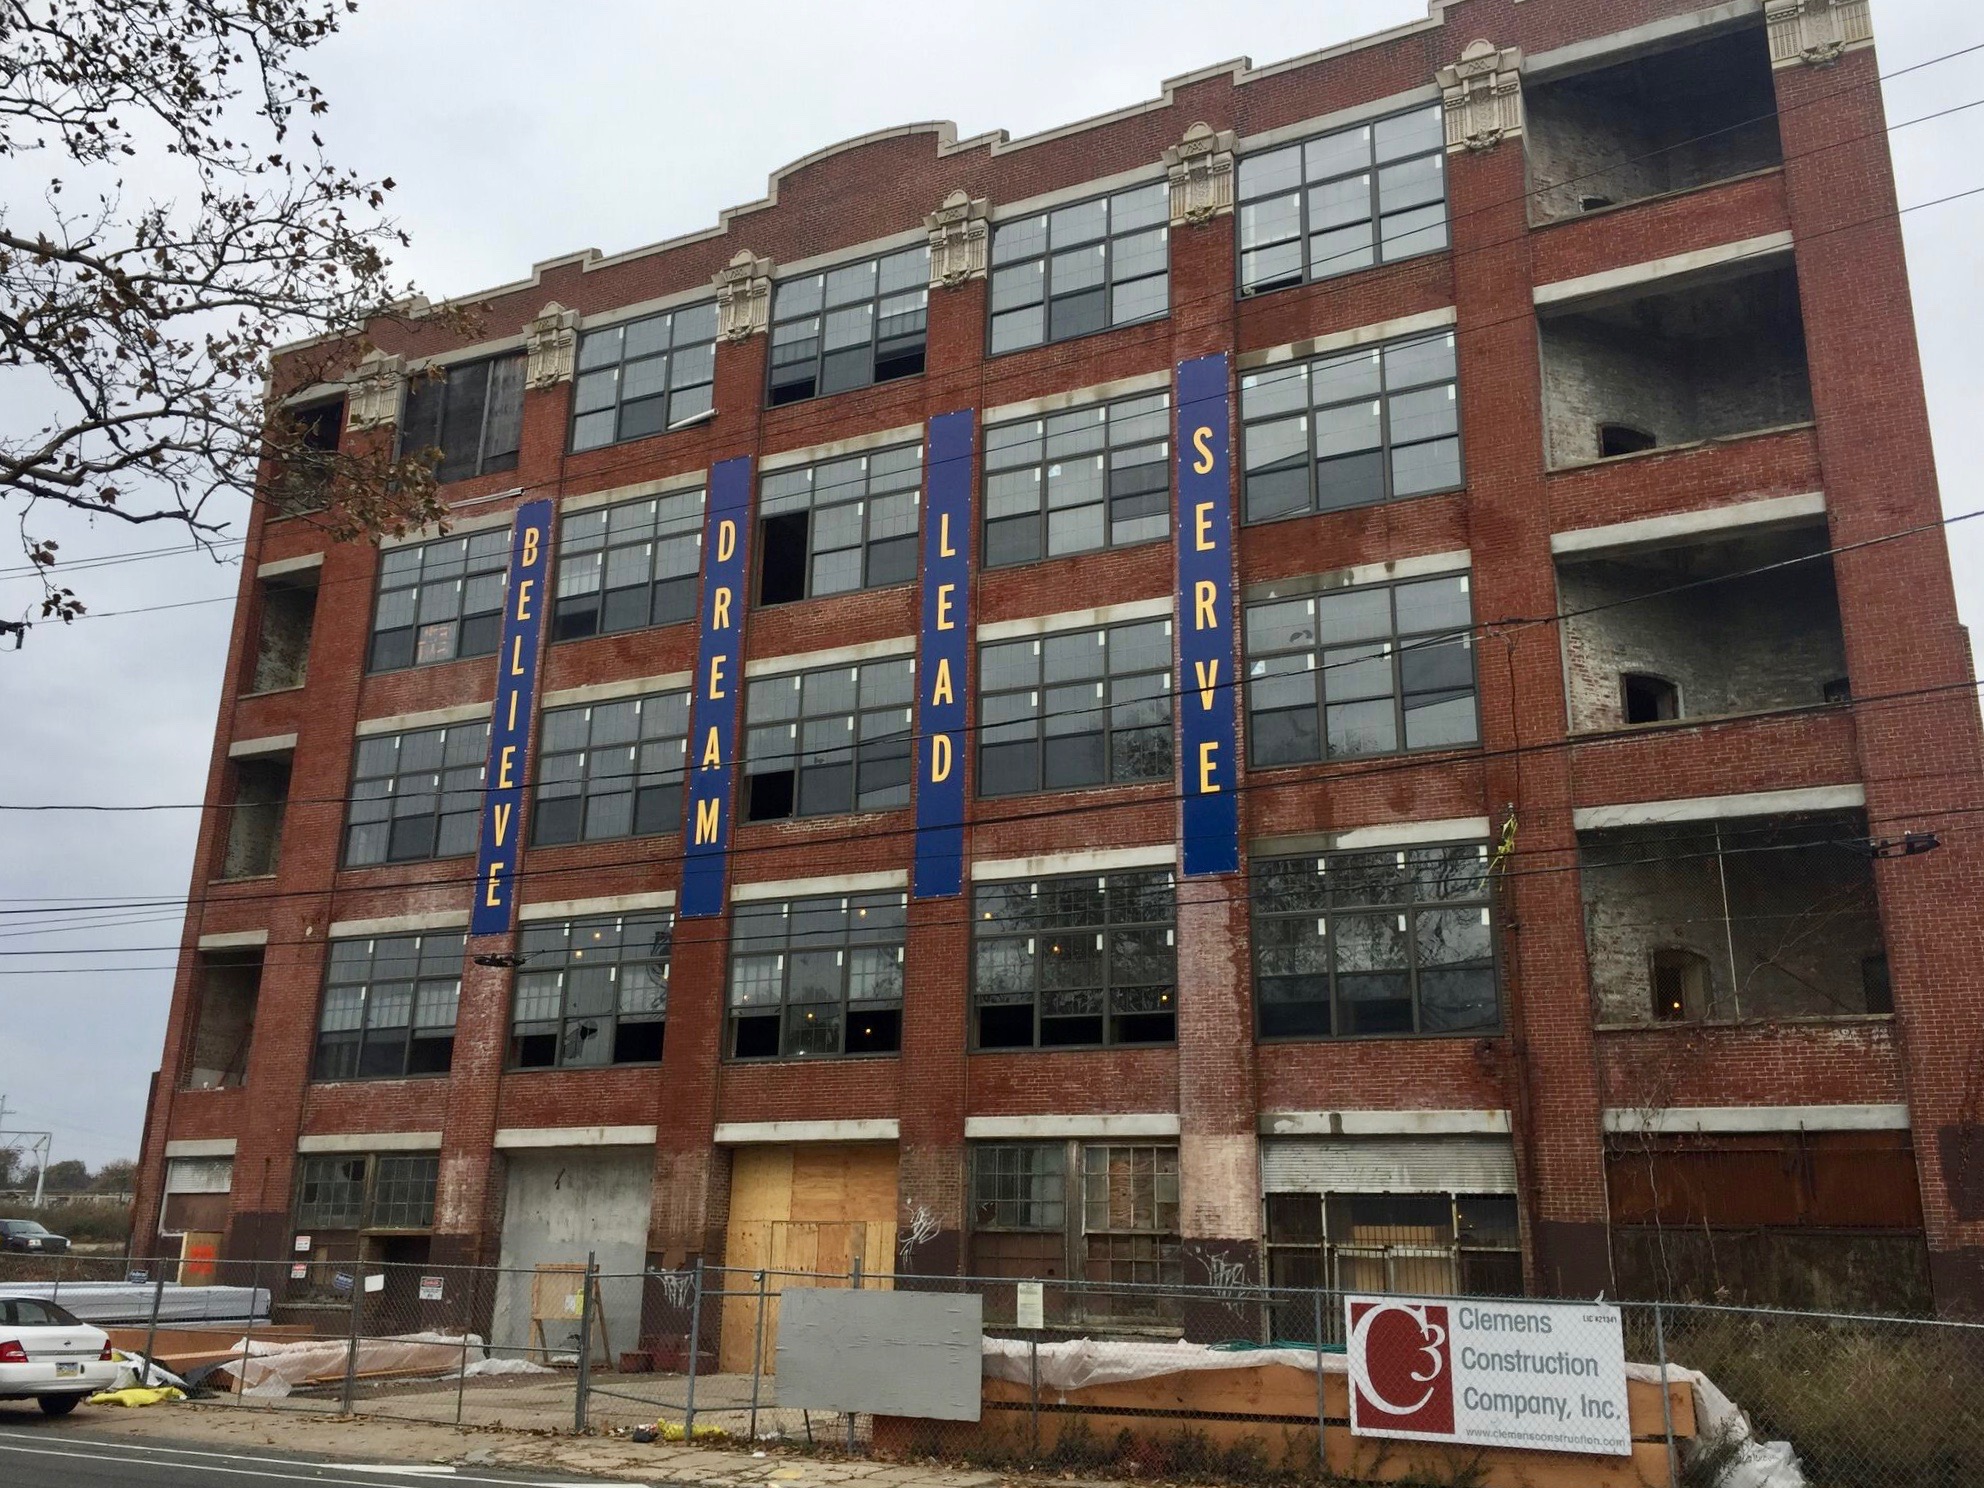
x: 1547, y: 1376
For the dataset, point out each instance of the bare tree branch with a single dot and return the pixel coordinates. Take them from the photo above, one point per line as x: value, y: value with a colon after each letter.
x: 152, y: 323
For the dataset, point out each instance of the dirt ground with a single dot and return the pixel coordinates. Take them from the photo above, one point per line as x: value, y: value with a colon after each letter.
x: 411, y: 1443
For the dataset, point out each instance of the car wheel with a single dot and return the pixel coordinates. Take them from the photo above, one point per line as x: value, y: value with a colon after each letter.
x: 59, y: 1405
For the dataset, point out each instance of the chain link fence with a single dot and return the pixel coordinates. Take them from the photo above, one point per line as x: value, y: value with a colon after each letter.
x: 1079, y: 1377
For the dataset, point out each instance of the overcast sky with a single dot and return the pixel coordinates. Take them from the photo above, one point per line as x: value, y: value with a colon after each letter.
x: 519, y: 132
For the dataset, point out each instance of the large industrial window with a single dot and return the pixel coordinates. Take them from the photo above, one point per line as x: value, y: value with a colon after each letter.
x: 629, y: 566
x: 473, y: 413
x: 1082, y: 960
x: 1360, y: 671
x: 829, y: 741
x: 1082, y: 268
x: 389, y: 1007
x: 1431, y: 1244
x: 592, y: 991
x: 815, y: 978
x: 1076, y: 1212
x: 1396, y: 942
x: 439, y: 601
x: 839, y: 525
x: 644, y: 377
x: 1075, y: 708
x: 1377, y: 424
x: 416, y: 795
x: 1097, y: 477
x: 1343, y: 201
x: 612, y: 769
x: 859, y: 324
x: 357, y: 1192
x: 308, y: 449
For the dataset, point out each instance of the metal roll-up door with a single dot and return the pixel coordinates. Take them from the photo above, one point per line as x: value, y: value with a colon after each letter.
x: 1482, y: 1165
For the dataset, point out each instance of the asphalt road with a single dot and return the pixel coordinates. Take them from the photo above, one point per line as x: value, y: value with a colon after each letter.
x: 34, y: 1457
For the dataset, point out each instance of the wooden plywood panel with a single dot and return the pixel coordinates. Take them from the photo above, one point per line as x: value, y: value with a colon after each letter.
x: 809, y: 1210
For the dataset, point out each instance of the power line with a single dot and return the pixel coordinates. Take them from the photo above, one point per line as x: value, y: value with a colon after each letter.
x: 1175, y: 306
x: 1478, y: 631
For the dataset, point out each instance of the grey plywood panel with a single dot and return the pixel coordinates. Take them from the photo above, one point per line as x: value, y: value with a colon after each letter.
x: 889, y: 1353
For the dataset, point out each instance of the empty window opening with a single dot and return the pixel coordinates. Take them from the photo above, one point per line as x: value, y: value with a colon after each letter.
x: 254, y: 825
x: 1700, y: 630
x: 1746, y: 919
x: 223, y: 1019
x: 1678, y: 361
x: 1622, y: 439
x: 1680, y: 985
x: 782, y: 573
x: 1836, y: 690
x: 1649, y: 699
x: 282, y: 647
x: 305, y: 441
x: 1663, y: 121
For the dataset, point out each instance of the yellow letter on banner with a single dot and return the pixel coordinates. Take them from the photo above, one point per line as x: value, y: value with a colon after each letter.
x: 940, y: 757
x: 940, y: 690
x: 709, y: 815
x: 530, y: 548
x: 489, y: 896
x: 1201, y: 438
x: 1207, y: 764
x: 726, y: 540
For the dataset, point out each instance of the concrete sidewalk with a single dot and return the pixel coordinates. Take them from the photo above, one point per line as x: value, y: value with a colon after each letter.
x: 224, y: 1428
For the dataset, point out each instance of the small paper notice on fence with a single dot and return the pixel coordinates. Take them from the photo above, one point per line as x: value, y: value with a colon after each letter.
x: 1548, y: 1376
x: 430, y: 1289
x: 376, y: 1283
x: 1030, y: 1305
x: 299, y: 1271
x: 302, y: 1242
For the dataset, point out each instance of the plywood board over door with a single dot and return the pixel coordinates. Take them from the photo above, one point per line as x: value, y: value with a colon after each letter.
x: 809, y: 1210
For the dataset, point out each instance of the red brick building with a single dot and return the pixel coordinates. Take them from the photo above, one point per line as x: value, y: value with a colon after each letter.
x: 1523, y: 401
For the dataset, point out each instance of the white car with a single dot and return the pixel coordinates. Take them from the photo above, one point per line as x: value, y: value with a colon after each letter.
x: 49, y: 1356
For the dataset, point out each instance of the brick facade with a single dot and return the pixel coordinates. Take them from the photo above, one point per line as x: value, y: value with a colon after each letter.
x: 1914, y: 750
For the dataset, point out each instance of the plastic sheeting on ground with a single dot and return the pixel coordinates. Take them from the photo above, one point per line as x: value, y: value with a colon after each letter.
x: 130, y: 1302
x: 137, y: 1370
x: 137, y: 1395
x: 270, y: 1370
x: 1074, y: 1363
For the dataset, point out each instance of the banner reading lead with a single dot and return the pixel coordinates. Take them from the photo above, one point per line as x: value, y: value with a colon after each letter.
x: 1208, y: 727
x: 719, y: 675
x: 944, y: 662
x: 524, y: 599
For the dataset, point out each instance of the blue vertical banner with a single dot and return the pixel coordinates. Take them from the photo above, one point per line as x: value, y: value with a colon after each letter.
x: 719, y: 681
x: 1207, y: 663
x: 943, y: 650
x: 524, y: 603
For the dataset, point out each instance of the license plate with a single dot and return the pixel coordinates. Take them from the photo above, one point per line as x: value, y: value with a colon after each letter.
x: 68, y: 1371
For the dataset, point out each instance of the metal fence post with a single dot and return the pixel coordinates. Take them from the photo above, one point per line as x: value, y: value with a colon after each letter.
x: 1666, y: 1404
x: 56, y: 1295
x: 758, y: 1355
x: 583, y: 1380
x: 854, y: 1284
x: 695, y: 1334
x: 1033, y: 1390
x: 151, y: 1328
x: 1322, y: 1455
x: 351, y: 1339
x: 248, y: 1337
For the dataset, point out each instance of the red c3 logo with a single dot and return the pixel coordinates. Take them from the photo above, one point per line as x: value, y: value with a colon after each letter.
x: 1401, y: 1368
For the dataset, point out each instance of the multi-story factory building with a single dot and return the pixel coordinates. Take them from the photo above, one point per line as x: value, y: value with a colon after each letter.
x: 1348, y: 673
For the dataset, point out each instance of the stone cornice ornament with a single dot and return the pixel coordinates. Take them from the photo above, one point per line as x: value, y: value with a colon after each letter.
x: 1200, y: 168
x: 744, y: 296
x: 1482, y: 96
x: 374, y: 399
x: 1816, y: 33
x: 959, y: 231
x: 551, y: 344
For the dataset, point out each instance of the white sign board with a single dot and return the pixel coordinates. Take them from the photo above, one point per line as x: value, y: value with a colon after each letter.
x: 432, y: 1289
x: 1029, y: 1304
x: 1546, y: 1376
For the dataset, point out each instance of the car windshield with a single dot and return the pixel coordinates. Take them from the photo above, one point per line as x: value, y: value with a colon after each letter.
x: 22, y: 1227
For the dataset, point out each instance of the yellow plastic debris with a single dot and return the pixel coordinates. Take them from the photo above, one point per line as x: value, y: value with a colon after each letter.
x: 137, y: 1395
